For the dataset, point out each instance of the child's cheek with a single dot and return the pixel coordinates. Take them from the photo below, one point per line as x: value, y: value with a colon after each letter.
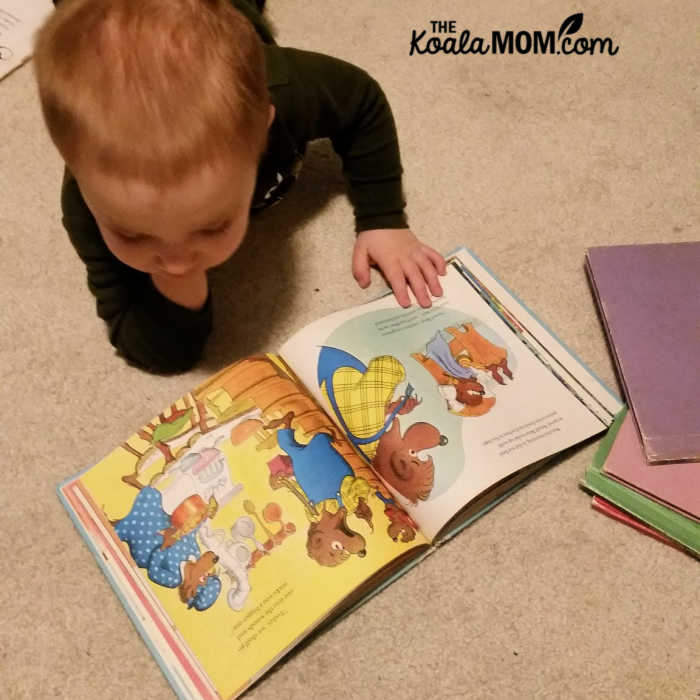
x: 132, y: 255
x: 224, y: 249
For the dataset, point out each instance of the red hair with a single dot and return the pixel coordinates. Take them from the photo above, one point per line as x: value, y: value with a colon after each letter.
x: 151, y: 89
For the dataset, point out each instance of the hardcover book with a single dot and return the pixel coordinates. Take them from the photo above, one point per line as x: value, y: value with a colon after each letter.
x: 683, y: 530
x: 606, y: 508
x: 289, y: 487
x: 649, y: 298
x: 676, y: 485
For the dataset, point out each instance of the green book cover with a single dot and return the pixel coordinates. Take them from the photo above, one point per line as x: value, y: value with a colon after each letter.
x: 670, y: 522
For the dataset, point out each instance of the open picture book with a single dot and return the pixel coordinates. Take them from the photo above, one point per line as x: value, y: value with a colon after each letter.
x: 289, y: 487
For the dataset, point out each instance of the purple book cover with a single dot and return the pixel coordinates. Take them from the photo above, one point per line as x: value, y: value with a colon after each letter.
x: 676, y: 485
x: 649, y: 297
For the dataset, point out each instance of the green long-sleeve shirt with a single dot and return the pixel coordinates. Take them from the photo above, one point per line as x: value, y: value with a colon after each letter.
x: 315, y: 96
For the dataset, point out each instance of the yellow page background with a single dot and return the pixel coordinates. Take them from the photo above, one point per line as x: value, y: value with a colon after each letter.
x: 289, y: 591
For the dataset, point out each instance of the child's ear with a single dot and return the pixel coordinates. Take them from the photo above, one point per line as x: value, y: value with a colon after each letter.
x: 271, y: 116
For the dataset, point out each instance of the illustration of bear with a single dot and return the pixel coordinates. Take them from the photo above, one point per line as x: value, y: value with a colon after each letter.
x: 324, y: 482
x: 463, y: 367
x: 166, y: 545
x: 362, y: 399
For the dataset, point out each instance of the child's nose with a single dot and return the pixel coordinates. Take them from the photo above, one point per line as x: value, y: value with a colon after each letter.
x: 175, y: 261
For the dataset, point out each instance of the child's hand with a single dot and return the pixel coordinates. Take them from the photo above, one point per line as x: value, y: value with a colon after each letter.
x: 403, y: 260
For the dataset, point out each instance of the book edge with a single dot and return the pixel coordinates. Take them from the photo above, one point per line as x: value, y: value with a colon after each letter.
x: 670, y: 523
x: 131, y: 611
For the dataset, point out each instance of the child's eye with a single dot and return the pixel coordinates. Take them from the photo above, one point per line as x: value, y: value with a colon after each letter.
x: 131, y: 237
x: 216, y: 230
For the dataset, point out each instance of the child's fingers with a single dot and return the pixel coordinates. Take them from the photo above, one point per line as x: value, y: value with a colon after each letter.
x: 397, y: 281
x: 360, y: 265
x: 430, y: 273
x: 437, y: 260
x: 414, y: 273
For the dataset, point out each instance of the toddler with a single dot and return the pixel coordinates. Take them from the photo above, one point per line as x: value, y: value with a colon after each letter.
x: 177, y: 119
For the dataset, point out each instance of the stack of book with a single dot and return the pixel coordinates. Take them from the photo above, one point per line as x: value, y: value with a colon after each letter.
x: 646, y: 472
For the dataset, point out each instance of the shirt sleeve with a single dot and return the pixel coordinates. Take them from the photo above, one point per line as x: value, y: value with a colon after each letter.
x: 285, y: 439
x: 145, y: 327
x: 328, y: 97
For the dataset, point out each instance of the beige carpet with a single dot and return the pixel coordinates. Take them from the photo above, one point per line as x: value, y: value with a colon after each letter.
x: 527, y: 159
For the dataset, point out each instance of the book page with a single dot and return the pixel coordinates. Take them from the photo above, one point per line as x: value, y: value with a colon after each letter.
x: 19, y: 20
x: 446, y: 402
x: 234, y: 522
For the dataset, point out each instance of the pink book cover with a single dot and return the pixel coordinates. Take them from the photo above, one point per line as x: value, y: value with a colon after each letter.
x: 674, y: 485
x: 649, y: 297
x: 612, y: 511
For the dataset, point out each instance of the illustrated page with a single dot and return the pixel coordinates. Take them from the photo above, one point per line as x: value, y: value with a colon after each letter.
x: 246, y: 516
x: 446, y: 401
x: 19, y: 20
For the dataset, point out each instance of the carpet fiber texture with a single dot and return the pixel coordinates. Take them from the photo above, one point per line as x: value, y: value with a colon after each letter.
x: 527, y: 159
